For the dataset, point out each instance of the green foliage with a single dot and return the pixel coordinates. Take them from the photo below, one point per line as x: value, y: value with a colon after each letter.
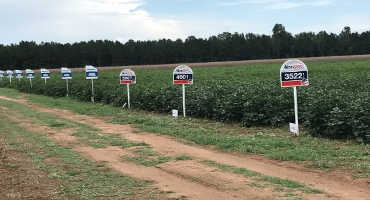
x: 222, y: 47
x: 335, y: 105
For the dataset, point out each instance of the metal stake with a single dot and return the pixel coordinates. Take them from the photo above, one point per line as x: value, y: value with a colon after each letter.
x: 92, y: 91
x: 67, y: 87
x: 296, y: 109
x: 183, y: 100
x: 128, y: 96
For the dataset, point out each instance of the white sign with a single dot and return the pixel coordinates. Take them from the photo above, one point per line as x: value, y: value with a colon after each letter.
x: 18, y: 74
x: 45, y: 74
x: 127, y: 77
x: 175, y: 113
x: 9, y: 73
x: 66, y: 73
x: 293, y: 128
x: 182, y: 75
x: 91, y: 72
x: 2, y: 74
x: 30, y: 73
x: 293, y: 73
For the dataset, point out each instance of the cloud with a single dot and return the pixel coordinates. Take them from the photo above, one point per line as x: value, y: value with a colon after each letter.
x: 357, y: 22
x: 76, y: 20
x: 278, y: 4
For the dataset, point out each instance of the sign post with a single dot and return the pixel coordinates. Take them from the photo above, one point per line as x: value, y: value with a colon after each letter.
x: 183, y: 75
x: 10, y: 75
x: 294, y: 73
x: 128, y: 77
x: 45, y: 74
x: 66, y: 75
x: 30, y: 75
x: 91, y: 73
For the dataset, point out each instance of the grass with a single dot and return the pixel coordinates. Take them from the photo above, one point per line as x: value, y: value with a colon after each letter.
x: 91, y: 136
x: 77, y: 175
x: 260, y: 180
x: 85, y: 133
x: 147, y: 157
x: 273, y: 143
x: 183, y: 157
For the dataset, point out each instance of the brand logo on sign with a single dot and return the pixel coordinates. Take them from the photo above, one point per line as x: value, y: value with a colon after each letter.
x: 183, y: 70
x: 295, y: 67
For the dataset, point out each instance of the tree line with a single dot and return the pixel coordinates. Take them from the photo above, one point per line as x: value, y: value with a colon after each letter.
x: 223, y: 47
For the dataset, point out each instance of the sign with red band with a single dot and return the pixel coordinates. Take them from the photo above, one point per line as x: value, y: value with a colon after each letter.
x: 294, y: 73
x: 127, y: 76
x: 182, y: 75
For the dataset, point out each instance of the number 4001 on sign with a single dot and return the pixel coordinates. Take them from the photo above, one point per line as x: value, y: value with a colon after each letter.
x: 182, y: 75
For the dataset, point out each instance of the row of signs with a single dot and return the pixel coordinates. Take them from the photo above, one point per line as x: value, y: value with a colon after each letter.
x: 18, y: 73
x: 292, y: 73
x: 181, y: 75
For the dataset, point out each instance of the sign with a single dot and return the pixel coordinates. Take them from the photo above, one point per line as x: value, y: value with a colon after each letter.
x: 127, y: 77
x: 2, y: 74
x: 293, y: 73
x: 175, y: 113
x: 45, y: 74
x: 91, y: 72
x: 30, y: 73
x: 66, y: 73
x: 293, y: 128
x: 9, y: 73
x: 182, y: 75
x: 18, y: 74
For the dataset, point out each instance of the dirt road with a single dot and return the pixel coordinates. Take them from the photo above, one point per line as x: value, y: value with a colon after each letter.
x: 191, y: 178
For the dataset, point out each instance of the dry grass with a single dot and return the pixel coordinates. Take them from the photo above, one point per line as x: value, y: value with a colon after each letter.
x: 3, y: 149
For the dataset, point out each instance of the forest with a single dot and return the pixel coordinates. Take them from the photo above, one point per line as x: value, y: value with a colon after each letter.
x: 223, y: 47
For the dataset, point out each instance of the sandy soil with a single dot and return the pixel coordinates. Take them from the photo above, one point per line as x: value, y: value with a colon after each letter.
x: 197, y: 181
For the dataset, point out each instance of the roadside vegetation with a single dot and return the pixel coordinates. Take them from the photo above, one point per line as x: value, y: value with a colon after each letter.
x: 335, y: 105
x: 65, y: 173
x: 274, y: 143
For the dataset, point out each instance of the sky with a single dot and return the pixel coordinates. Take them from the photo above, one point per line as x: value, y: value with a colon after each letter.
x: 120, y: 20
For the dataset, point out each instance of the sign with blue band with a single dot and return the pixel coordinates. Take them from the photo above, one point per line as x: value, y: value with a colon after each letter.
x: 9, y: 73
x: 66, y: 73
x: 18, y: 74
x: 127, y: 76
x: 91, y: 72
x: 45, y: 74
x: 30, y: 73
